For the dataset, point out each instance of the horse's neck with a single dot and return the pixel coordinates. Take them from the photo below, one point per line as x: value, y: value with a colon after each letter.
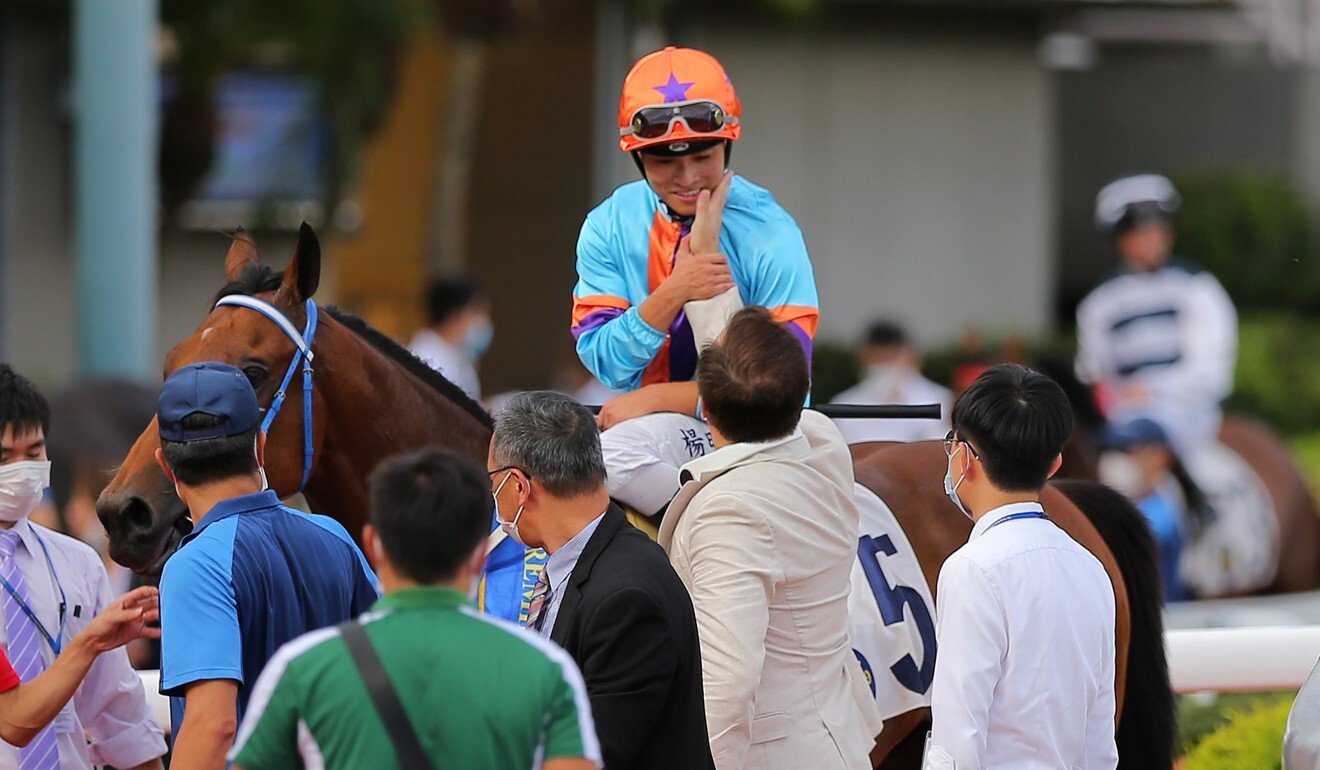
x: 374, y: 408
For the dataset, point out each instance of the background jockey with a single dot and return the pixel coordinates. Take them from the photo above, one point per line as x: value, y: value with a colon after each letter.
x: 664, y: 261
x: 1160, y: 336
x: 1159, y: 339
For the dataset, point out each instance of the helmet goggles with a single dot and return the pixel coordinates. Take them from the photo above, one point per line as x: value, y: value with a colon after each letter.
x: 697, y: 116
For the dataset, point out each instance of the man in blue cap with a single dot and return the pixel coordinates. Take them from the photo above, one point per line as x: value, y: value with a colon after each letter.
x: 252, y: 575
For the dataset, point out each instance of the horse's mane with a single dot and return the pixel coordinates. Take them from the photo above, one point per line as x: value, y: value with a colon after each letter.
x: 416, y: 366
x: 257, y: 278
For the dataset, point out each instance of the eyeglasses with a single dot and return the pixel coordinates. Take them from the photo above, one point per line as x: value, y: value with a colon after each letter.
x: 950, y: 439
x: 699, y: 117
x: 491, y: 474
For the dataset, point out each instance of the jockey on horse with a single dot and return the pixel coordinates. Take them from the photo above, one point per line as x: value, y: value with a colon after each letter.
x: 664, y: 261
x: 1158, y: 340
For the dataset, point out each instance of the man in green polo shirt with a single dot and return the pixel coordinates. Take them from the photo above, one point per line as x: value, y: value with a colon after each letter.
x: 478, y: 692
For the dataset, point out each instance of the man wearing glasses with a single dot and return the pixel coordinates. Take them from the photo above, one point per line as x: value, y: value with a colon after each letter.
x: 607, y: 594
x: 665, y: 260
x: 1025, y: 615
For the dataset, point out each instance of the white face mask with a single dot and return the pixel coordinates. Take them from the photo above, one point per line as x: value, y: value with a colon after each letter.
x: 510, y: 527
x: 22, y: 485
x: 264, y: 483
x: 951, y: 487
x: 1120, y: 471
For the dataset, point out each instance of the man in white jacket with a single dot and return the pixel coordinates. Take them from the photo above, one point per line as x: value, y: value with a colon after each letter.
x: 763, y: 533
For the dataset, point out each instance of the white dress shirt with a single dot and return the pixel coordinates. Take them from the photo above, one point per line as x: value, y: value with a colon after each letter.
x: 1024, y: 676
x: 109, y: 707
x: 448, y: 359
x: 894, y: 386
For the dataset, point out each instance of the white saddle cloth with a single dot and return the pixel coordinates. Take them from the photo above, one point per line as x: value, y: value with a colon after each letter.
x: 1237, y: 551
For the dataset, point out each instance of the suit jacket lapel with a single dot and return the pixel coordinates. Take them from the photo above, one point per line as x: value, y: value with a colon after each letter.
x: 609, y: 526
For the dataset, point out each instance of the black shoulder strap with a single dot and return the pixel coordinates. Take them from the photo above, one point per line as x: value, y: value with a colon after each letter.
x: 384, y: 696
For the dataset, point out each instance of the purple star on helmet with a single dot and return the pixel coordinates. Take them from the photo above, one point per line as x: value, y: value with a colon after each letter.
x: 673, y: 91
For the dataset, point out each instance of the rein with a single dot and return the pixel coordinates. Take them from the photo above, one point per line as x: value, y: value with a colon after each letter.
x: 303, y: 354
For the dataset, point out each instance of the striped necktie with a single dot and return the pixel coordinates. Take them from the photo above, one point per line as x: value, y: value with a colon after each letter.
x: 24, y: 649
x: 540, y: 601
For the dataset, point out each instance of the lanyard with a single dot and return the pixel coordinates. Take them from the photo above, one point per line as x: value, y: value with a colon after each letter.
x: 1018, y: 515
x: 57, y: 641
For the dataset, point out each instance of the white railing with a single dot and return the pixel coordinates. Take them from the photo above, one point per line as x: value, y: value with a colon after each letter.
x: 1249, y: 659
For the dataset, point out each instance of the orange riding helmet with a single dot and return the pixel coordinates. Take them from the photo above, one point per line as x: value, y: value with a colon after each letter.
x: 677, y: 95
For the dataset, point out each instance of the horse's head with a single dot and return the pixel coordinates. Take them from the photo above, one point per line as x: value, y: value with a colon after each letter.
x: 141, y: 513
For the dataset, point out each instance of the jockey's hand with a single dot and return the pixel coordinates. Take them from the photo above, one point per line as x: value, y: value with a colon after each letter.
x: 626, y: 406
x: 1134, y: 393
x: 698, y: 275
x: 706, y: 225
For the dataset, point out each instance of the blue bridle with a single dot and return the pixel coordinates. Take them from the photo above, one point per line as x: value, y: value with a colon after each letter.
x: 302, y: 354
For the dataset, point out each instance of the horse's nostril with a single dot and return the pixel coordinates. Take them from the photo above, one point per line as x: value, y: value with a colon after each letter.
x: 135, y: 515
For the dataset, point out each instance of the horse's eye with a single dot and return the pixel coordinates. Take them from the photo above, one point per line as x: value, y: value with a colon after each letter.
x: 255, y: 374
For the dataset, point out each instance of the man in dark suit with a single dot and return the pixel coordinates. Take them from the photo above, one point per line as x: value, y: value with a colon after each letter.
x: 607, y: 594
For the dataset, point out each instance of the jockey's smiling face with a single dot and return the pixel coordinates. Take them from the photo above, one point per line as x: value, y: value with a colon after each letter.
x: 679, y: 179
x: 1146, y: 247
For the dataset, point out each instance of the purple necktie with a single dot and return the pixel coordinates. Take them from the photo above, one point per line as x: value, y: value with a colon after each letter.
x: 24, y: 651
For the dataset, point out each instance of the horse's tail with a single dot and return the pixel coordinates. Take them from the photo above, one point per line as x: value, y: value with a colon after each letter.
x: 1146, y: 725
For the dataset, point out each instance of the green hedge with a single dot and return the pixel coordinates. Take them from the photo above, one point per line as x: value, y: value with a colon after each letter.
x: 1278, y: 371
x: 1252, y: 738
x: 1255, y: 231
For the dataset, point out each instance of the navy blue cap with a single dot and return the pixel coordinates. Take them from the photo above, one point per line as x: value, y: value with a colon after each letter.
x: 1142, y: 431
x: 210, y: 388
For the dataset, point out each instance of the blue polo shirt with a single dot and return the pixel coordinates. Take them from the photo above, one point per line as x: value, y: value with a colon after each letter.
x: 253, y: 575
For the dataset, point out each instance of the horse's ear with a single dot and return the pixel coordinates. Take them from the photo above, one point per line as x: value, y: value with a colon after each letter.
x: 242, y: 252
x: 303, y: 274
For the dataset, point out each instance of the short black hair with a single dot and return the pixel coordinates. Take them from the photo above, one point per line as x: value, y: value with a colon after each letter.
x: 450, y: 295
x: 754, y: 380
x: 886, y: 333
x: 431, y: 508
x: 22, y: 407
x: 1017, y: 420
x: 207, y: 461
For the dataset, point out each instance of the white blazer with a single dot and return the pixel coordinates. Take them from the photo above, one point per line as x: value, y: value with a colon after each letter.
x: 764, y: 537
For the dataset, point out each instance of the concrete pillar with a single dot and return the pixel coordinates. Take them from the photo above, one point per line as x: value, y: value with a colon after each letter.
x: 115, y: 201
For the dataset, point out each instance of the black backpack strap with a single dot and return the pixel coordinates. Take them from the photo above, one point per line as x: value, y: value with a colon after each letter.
x: 384, y: 697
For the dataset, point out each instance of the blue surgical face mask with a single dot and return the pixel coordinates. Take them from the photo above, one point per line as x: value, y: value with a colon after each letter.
x: 951, y: 487
x: 477, y: 338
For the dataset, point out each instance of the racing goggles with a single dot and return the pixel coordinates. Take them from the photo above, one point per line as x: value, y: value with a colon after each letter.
x: 699, y: 117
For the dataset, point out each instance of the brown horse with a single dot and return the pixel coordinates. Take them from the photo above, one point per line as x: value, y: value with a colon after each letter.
x: 372, y: 399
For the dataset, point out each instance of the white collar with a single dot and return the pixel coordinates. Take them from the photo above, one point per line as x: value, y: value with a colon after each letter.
x: 732, y: 455
x: 996, y: 515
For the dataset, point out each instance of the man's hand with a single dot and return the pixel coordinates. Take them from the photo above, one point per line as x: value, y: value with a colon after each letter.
x: 710, y: 216
x: 124, y: 620
x: 698, y: 275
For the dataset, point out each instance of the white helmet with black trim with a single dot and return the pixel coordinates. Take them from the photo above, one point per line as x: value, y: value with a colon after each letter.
x: 1132, y: 200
